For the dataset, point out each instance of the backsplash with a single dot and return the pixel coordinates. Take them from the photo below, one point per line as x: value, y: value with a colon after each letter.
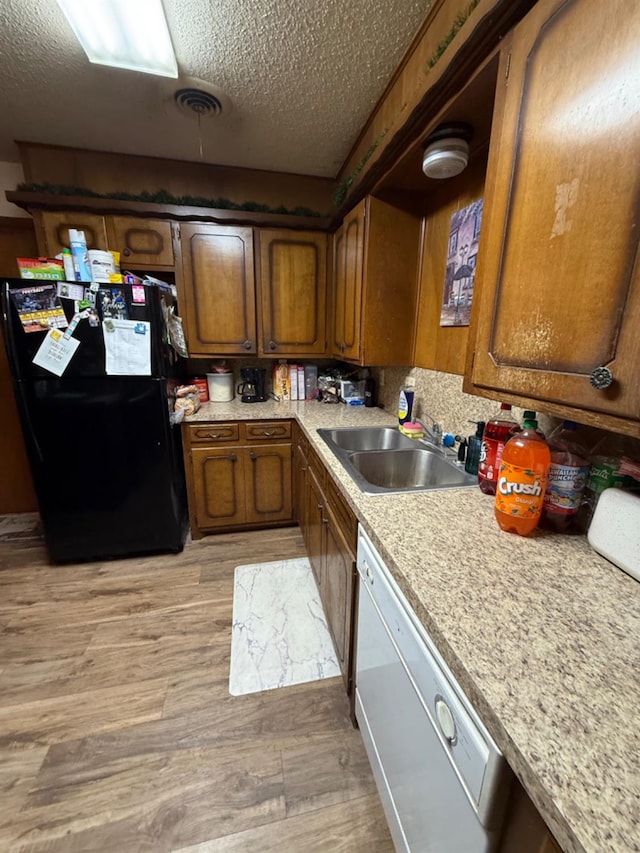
x: 439, y: 398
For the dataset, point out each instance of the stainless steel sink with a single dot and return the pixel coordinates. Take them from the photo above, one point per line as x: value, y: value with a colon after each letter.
x: 366, y: 438
x: 380, y: 460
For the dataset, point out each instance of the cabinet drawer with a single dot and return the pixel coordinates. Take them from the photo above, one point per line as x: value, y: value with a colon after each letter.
x: 267, y: 430
x: 213, y: 433
x: 317, y: 466
x: 343, y: 514
x: 303, y: 442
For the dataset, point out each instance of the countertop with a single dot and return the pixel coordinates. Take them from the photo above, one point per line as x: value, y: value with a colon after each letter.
x: 542, y: 633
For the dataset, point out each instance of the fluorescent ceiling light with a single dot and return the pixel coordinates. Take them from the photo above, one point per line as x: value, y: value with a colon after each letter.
x: 129, y: 34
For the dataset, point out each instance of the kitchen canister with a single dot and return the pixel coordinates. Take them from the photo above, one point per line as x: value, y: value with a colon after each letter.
x: 101, y: 265
x: 220, y: 387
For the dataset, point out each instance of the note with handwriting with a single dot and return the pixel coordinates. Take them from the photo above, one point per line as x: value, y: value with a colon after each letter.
x: 127, y: 345
x: 55, y: 352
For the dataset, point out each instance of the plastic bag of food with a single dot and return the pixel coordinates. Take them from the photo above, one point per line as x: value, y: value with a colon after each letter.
x: 187, y: 399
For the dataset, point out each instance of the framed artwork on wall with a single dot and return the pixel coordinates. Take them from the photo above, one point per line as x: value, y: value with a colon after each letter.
x: 457, y: 295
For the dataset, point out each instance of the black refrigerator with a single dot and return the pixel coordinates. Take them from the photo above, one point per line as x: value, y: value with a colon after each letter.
x: 105, y: 455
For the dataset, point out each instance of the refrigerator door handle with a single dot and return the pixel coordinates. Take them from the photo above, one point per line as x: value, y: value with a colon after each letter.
x: 9, y: 341
x: 26, y: 416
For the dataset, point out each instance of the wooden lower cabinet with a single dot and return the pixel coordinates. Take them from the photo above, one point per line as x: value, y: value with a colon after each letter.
x: 267, y: 483
x: 218, y: 487
x: 329, y: 529
x: 238, y: 475
x: 524, y: 830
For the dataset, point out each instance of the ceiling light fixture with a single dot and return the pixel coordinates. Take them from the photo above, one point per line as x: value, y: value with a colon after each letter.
x: 130, y: 34
x: 447, y: 150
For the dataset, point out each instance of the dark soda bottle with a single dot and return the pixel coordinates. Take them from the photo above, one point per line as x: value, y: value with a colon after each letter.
x: 496, y: 434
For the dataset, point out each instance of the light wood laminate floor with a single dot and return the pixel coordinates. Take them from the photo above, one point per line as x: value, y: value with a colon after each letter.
x: 117, y: 730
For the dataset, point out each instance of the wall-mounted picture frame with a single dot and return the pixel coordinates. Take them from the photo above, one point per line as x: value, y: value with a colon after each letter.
x: 457, y: 295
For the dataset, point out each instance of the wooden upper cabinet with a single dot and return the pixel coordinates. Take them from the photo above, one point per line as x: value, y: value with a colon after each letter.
x: 141, y: 242
x: 349, y: 248
x: 292, y: 283
x: 52, y: 230
x: 376, y: 255
x: 218, y: 289
x: 558, y: 264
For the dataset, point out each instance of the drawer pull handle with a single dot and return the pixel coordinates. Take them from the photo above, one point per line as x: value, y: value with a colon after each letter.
x: 601, y: 378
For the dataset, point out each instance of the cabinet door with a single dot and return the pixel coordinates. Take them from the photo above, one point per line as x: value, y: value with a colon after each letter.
x: 349, y: 254
x: 315, y: 527
x: 142, y: 243
x: 300, y: 488
x: 337, y: 594
x: 292, y: 276
x: 218, y: 289
x: 219, y: 487
x: 53, y: 231
x: 268, y: 483
x: 558, y: 263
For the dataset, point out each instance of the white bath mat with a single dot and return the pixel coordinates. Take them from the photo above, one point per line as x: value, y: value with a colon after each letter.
x: 279, y: 635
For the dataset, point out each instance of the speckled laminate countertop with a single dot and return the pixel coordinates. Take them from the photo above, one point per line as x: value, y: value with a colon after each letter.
x: 542, y: 633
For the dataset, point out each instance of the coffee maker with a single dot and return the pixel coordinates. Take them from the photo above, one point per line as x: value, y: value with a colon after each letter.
x: 252, y: 387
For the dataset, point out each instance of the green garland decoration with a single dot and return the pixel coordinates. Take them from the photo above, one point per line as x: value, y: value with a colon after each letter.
x: 343, y: 187
x: 461, y: 17
x: 164, y: 197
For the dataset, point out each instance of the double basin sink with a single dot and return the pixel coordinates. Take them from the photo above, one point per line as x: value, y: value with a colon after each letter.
x: 381, y: 460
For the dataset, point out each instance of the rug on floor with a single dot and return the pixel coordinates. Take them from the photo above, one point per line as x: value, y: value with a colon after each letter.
x: 279, y: 635
x: 22, y: 525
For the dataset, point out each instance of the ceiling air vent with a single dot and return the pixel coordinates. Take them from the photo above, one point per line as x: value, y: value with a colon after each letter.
x: 199, y: 102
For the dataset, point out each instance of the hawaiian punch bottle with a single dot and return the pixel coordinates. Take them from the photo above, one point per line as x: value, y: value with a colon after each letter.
x: 496, y: 433
x: 522, y: 479
x: 566, y: 478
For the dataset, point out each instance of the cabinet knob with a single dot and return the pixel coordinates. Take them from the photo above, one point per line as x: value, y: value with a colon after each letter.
x: 233, y: 457
x: 247, y: 344
x: 601, y: 378
x: 126, y: 252
x: 253, y: 457
x: 272, y: 345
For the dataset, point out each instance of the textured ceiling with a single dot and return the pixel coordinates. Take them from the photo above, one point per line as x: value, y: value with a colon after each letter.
x: 297, y: 80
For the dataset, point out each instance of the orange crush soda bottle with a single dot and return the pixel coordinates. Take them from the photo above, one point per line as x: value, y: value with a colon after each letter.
x: 522, y: 479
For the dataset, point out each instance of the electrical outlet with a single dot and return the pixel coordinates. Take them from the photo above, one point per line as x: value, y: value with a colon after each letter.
x: 410, y: 382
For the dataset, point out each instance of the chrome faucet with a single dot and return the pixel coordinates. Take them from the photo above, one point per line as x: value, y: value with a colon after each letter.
x: 434, y: 434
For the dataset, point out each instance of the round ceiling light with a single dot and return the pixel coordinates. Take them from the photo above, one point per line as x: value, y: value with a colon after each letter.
x: 447, y: 151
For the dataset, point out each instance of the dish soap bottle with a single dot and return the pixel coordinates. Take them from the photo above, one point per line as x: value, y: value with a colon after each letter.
x: 496, y: 433
x: 474, y: 448
x: 566, y: 479
x: 522, y: 479
x: 405, y: 405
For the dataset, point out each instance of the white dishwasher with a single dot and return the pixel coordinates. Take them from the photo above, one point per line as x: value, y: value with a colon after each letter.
x: 442, y: 780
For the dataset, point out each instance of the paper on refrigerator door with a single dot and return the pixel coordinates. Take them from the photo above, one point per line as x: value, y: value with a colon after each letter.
x: 55, y: 352
x: 127, y: 345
